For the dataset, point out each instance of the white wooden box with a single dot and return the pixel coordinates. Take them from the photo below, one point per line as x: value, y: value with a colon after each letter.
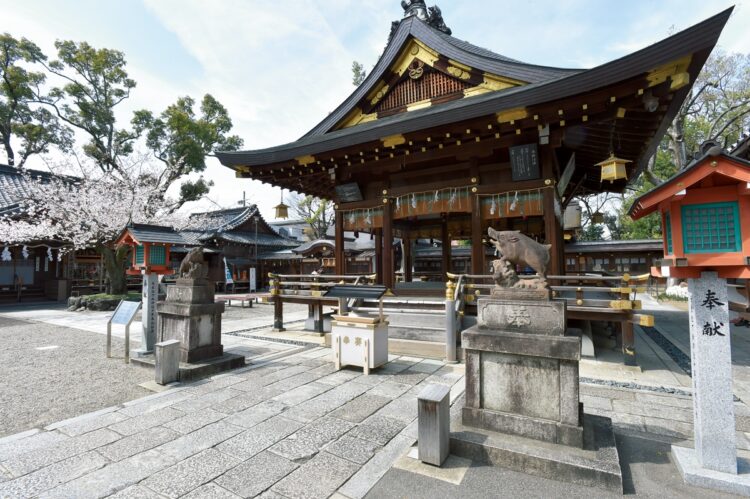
x: 359, y: 344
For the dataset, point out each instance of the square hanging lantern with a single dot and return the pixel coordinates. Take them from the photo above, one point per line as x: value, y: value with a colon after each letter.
x: 597, y: 218
x: 151, y: 245
x: 282, y: 210
x: 613, y: 168
x: 705, y: 216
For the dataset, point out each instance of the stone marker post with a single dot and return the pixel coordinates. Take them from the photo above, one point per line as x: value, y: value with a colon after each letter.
x: 434, y: 424
x: 167, y: 367
x: 148, y: 313
x: 711, y: 358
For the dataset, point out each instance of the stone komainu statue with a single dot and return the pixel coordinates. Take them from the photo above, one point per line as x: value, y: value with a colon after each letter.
x: 520, y: 249
x: 194, y: 266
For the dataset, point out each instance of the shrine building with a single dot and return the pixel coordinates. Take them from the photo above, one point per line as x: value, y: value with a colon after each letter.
x: 444, y: 139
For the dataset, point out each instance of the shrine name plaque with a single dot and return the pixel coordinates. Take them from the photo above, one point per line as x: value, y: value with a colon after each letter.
x: 524, y: 162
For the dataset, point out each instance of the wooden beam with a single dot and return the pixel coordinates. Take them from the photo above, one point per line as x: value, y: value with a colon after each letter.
x: 477, y: 248
x: 445, y: 242
x: 339, y: 244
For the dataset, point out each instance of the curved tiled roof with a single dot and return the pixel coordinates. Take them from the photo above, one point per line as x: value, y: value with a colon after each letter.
x: 449, y: 46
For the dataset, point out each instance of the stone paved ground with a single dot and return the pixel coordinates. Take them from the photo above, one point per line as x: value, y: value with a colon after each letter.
x: 292, y: 427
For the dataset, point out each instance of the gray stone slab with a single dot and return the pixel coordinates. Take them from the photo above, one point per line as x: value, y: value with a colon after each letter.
x: 256, y: 474
x: 363, y: 480
x: 360, y: 408
x: 427, y: 367
x: 256, y: 414
x: 211, y: 491
x: 319, y: 477
x: 110, y: 479
x: 136, y: 492
x: 10, y: 448
x: 295, y: 381
x: 323, y: 404
x: 389, y: 389
x: 597, y: 465
x: 137, y: 443
x: 302, y: 393
x: 246, y: 400
x: 94, y: 423
x: 677, y: 414
x: 194, y: 421
x: 204, y: 400
x: 593, y: 402
x: 146, y: 421
x: 39, y: 458
x: 695, y: 474
x: 305, y: 443
x: 199, y: 440
x: 190, y: 473
x: 353, y: 449
x: 403, y: 409
x: 342, y: 376
x: 409, y: 377
x: 378, y: 429
x: 260, y: 437
x: 52, y: 476
x: 154, y: 402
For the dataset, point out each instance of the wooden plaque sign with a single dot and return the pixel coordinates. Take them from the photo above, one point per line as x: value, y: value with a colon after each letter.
x: 348, y: 193
x: 524, y: 162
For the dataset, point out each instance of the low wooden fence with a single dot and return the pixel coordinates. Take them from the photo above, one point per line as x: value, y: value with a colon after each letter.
x: 610, y: 299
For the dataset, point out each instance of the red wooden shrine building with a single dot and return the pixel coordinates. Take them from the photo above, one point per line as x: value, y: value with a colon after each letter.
x: 444, y: 139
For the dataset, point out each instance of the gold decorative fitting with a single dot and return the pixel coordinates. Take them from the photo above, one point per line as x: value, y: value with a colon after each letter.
x: 547, y: 181
x: 385, y: 200
x: 585, y: 107
x: 620, y: 112
x: 579, y: 302
x: 385, y: 191
x: 562, y: 122
x: 714, y: 163
x: 518, y: 131
x: 473, y: 180
x: 612, y: 99
x: 473, y: 189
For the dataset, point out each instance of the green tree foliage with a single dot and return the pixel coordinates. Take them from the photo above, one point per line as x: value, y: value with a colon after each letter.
x: 358, y: 73
x: 317, y: 213
x: 36, y: 128
x: 96, y: 82
x: 182, y: 139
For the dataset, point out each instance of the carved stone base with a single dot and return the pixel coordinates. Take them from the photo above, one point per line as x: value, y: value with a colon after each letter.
x: 521, y: 293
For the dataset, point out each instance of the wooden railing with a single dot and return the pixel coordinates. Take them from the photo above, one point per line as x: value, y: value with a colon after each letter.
x: 589, y: 297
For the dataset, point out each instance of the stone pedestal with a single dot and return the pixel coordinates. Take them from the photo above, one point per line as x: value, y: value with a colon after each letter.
x: 521, y: 372
x: 167, y: 362
x: 521, y: 407
x: 190, y: 316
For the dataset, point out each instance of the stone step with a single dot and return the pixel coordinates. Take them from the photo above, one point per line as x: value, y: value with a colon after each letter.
x: 416, y: 333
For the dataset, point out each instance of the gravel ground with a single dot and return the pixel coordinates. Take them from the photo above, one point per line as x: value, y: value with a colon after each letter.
x: 41, y: 385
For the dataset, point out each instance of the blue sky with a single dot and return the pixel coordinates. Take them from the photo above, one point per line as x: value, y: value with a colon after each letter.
x: 280, y: 67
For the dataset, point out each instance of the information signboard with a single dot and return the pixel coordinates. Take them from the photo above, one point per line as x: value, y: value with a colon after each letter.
x: 125, y: 312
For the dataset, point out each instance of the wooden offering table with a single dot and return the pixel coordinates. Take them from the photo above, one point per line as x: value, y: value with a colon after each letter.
x: 359, y: 339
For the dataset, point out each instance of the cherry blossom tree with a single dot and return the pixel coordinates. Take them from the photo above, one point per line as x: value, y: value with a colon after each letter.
x: 85, y: 207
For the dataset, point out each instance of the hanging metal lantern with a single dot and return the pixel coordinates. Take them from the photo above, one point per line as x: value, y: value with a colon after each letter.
x: 613, y: 168
x: 282, y: 210
x: 597, y: 218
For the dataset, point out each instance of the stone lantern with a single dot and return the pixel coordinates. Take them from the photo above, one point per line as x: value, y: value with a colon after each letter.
x: 705, y: 214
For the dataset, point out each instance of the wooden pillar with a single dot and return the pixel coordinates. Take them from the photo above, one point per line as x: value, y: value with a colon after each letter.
x: 338, y: 251
x: 445, y: 242
x: 477, y: 248
x: 379, y: 256
x: 388, y: 268
x: 407, y: 259
x: 553, y: 232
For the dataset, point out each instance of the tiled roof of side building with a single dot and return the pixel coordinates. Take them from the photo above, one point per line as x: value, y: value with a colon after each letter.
x: 145, y: 233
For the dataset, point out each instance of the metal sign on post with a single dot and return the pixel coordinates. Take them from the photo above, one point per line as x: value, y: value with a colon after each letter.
x: 124, y: 315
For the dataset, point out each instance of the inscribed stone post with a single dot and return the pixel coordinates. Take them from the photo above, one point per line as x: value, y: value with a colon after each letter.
x: 711, y: 357
x: 148, y: 312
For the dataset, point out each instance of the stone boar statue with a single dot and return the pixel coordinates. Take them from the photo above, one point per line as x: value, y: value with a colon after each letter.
x: 520, y: 249
x: 193, y: 266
